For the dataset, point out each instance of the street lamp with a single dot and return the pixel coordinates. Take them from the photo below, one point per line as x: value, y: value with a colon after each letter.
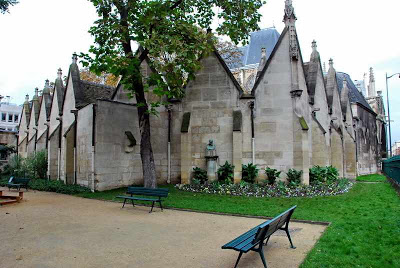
x: 387, y: 98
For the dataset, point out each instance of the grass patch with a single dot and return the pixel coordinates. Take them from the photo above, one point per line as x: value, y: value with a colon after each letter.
x: 372, y: 178
x: 365, y: 229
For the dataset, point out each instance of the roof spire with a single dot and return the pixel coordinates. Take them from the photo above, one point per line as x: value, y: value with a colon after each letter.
x: 371, y: 86
x: 36, y: 92
x: 263, y: 60
x: 27, y: 98
x: 74, y: 58
x: 314, y: 46
x: 371, y: 75
x: 330, y: 63
x: 59, y: 73
x: 289, y: 17
x: 46, y: 89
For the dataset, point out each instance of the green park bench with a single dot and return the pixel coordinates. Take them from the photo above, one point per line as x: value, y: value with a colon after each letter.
x: 254, y: 238
x: 18, y: 183
x: 142, y: 191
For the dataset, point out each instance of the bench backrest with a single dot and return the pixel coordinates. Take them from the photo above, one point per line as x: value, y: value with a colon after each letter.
x: 279, y: 221
x: 161, y: 192
x: 261, y: 234
x: 20, y: 180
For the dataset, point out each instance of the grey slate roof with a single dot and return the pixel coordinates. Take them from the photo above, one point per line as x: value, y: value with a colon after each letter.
x: 354, y: 94
x: 265, y: 38
x: 93, y: 91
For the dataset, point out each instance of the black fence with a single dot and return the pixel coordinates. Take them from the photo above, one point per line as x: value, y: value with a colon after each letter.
x: 391, y: 167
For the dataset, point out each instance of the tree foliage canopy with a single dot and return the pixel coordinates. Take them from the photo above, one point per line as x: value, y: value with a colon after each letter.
x: 5, y: 4
x: 171, y: 34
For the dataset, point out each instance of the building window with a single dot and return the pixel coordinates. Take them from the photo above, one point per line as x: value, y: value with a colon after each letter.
x: 10, y: 119
x: 3, y: 117
x: 16, y: 117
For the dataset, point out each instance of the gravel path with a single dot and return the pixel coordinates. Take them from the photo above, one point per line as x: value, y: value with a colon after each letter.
x: 54, y: 230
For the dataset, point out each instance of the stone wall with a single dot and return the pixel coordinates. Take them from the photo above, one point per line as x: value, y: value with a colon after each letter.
x: 53, y: 154
x: 84, y: 146
x: 67, y: 121
x: 211, y: 99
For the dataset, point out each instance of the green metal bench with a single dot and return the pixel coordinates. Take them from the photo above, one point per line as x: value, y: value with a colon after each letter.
x: 254, y: 238
x: 18, y: 183
x: 142, y: 191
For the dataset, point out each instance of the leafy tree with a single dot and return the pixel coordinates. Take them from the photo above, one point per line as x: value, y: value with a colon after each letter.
x: 170, y: 33
x: 5, y: 4
x: 104, y: 78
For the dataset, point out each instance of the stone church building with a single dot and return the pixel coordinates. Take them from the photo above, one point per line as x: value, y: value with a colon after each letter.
x: 277, y: 110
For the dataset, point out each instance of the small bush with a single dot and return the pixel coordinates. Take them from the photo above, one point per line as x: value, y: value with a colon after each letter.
x: 200, y: 175
x: 332, y: 174
x: 327, y: 174
x: 272, y: 175
x: 36, y: 165
x: 294, y: 177
x: 225, y: 173
x: 56, y: 186
x: 15, y: 167
x: 249, y: 172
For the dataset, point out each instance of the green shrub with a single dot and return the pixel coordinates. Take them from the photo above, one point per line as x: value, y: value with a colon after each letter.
x: 317, y: 174
x: 36, y: 165
x: 225, y: 173
x: 56, y: 186
x: 249, y: 172
x: 294, y: 177
x: 327, y: 174
x: 272, y: 175
x: 200, y: 175
x: 15, y: 167
x: 332, y: 174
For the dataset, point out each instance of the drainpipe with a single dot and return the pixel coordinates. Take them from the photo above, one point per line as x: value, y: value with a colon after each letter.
x: 59, y: 148
x: 75, y: 112
x: 169, y: 143
x: 253, y: 151
x: 47, y: 148
x: 34, y: 147
x: 93, y: 146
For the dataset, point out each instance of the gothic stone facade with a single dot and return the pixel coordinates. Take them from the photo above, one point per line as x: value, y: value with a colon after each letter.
x: 294, y: 116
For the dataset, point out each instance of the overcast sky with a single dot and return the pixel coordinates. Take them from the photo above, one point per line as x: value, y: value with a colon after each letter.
x: 38, y: 37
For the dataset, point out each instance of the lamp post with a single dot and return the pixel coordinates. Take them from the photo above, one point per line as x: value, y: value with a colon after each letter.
x: 387, y: 98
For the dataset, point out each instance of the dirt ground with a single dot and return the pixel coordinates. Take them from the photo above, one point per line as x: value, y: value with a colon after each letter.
x: 54, y: 230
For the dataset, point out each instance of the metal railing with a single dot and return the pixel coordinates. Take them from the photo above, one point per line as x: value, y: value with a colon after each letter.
x: 391, y: 167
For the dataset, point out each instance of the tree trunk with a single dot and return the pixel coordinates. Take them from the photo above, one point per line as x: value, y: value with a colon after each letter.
x: 146, y: 151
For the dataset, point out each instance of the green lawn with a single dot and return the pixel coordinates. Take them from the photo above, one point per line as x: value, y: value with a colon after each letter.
x: 372, y: 178
x: 365, y: 229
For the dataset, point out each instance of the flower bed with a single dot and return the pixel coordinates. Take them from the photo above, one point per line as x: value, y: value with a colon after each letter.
x: 277, y: 190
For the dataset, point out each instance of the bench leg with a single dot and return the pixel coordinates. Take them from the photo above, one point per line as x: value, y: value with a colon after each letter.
x: 260, y: 250
x: 160, y: 205
x: 133, y: 204
x: 124, y: 203
x: 237, y: 261
x: 265, y: 244
x: 152, y: 206
x: 290, y: 239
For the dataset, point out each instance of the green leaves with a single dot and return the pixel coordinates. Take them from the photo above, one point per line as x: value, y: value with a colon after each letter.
x: 173, y: 35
